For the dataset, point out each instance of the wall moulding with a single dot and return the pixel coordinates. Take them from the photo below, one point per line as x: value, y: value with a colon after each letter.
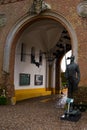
x: 82, y: 12
x: 82, y: 9
x: 3, y: 19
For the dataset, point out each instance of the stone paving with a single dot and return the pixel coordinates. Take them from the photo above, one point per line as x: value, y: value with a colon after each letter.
x: 37, y: 114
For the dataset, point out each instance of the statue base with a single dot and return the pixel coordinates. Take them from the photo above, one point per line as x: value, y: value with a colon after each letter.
x: 73, y: 115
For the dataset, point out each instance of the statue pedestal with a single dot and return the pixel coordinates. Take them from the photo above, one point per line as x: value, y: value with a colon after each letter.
x: 71, y: 114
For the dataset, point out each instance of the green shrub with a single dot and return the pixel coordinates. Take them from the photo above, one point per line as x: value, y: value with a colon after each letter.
x: 3, y: 100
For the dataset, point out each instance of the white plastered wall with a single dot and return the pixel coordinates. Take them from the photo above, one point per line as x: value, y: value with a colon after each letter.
x: 26, y: 66
x: 42, y: 35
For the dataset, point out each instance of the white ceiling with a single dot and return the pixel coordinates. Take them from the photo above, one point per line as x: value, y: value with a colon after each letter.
x: 47, y: 32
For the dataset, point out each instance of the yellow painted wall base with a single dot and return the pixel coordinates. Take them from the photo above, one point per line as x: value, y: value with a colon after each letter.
x: 30, y: 93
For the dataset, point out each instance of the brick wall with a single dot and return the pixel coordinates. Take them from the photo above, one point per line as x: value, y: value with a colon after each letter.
x: 80, y: 96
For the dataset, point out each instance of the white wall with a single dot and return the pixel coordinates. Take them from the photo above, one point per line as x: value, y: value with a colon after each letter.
x: 27, y: 67
x: 43, y: 35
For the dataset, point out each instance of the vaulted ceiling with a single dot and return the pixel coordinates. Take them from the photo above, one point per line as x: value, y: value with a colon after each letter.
x: 51, y: 34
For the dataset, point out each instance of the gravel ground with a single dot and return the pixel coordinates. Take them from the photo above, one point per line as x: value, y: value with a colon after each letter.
x: 37, y: 114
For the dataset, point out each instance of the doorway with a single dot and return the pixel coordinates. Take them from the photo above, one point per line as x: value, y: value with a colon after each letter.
x: 53, y: 31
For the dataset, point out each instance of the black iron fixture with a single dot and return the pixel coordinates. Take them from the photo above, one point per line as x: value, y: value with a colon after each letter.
x: 60, y: 45
x: 64, y: 31
x: 32, y: 54
x: 66, y: 37
x: 33, y: 60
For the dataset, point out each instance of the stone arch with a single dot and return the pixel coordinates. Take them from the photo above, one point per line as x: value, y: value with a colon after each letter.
x: 16, y: 31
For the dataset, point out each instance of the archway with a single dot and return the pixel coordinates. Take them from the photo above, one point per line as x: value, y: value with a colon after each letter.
x: 20, y: 26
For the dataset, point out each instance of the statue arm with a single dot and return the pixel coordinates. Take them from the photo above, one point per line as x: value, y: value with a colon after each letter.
x: 66, y: 73
x: 78, y: 73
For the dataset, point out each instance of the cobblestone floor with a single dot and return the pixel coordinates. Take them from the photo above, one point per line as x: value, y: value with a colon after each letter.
x: 37, y: 114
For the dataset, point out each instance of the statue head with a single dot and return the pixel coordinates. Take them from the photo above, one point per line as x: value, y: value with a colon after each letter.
x: 71, y: 58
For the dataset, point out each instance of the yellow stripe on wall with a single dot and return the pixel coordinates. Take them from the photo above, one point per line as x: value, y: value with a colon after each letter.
x: 30, y: 93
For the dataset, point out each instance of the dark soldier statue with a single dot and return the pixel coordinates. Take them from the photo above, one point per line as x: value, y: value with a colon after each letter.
x: 73, y: 76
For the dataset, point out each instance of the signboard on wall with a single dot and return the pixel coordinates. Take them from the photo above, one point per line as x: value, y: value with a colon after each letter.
x: 38, y: 79
x: 24, y: 79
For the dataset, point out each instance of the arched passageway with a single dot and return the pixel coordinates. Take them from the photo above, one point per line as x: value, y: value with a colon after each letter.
x: 49, y: 32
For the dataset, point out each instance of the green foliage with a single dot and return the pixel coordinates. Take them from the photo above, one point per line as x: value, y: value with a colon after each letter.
x: 63, y: 79
x: 64, y: 83
x: 3, y: 100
